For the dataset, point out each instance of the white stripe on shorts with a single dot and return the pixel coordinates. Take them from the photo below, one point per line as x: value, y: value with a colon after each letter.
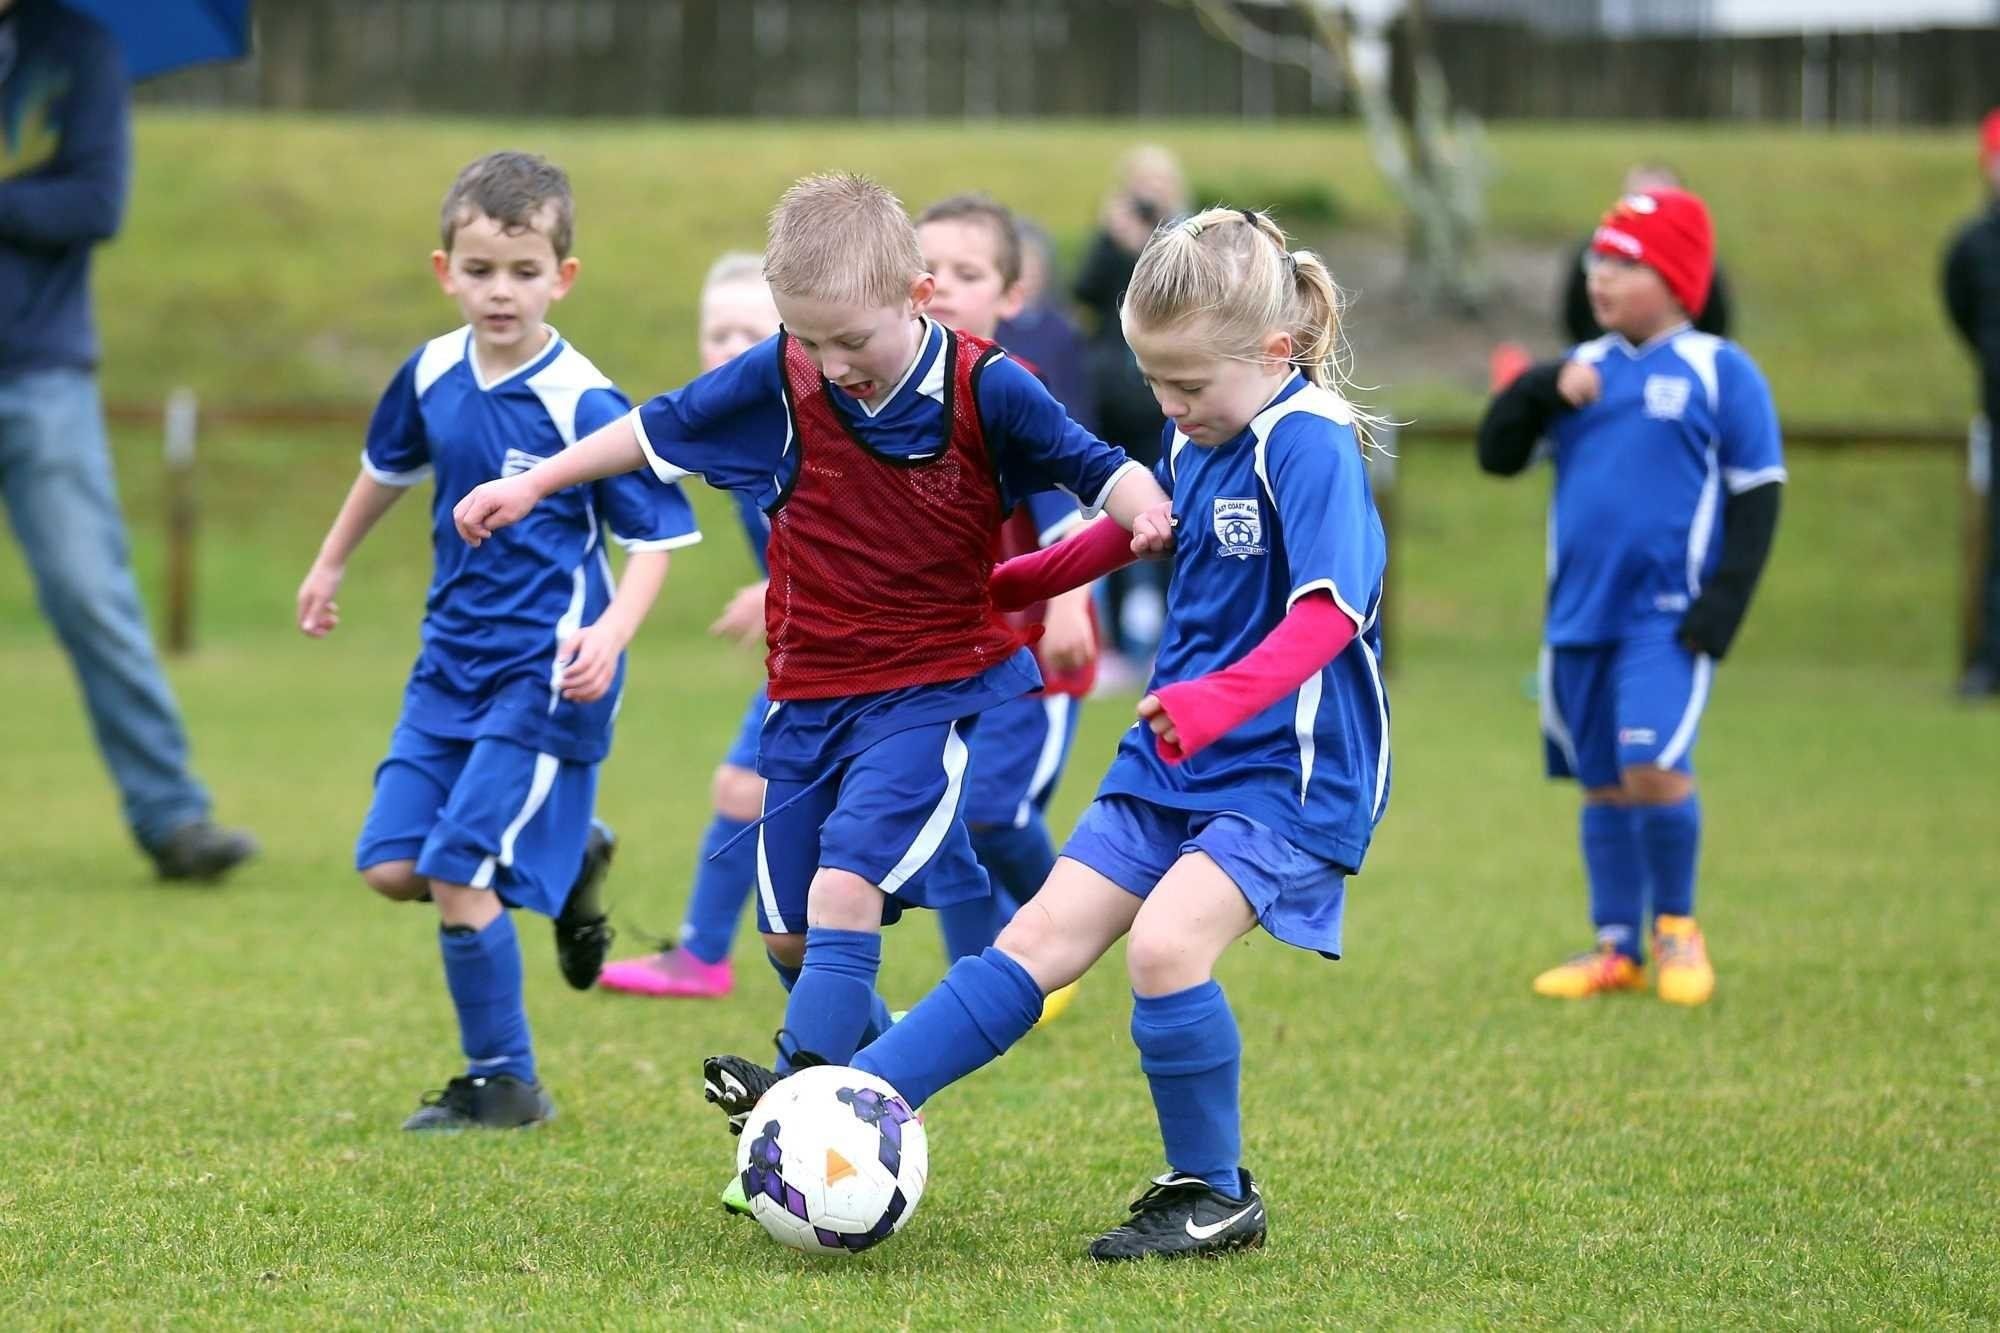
x: 1055, y: 716
x: 546, y: 767
x: 1704, y: 671
x: 765, y: 893
x: 931, y: 836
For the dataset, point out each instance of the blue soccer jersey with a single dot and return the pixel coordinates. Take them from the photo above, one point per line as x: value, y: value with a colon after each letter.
x: 1635, y: 522
x: 1282, y: 510
x: 732, y: 427
x: 496, y: 615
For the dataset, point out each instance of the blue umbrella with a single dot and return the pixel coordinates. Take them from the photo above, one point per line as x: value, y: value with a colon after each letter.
x: 159, y: 36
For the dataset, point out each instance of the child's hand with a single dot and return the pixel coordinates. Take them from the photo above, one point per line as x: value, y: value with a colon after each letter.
x: 492, y: 505
x: 590, y: 659
x: 1579, y: 384
x: 1154, y: 714
x: 1069, y: 641
x: 743, y: 619
x: 1153, y: 530
x: 318, y: 612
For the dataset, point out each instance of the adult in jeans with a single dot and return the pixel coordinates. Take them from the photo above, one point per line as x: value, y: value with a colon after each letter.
x: 65, y: 140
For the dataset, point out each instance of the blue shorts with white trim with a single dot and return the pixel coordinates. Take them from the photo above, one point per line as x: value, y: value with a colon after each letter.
x: 1608, y: 707
x: 891, y: 814
x: 1018, y: 758
x: 1299, y: 897
x: 487, y: 814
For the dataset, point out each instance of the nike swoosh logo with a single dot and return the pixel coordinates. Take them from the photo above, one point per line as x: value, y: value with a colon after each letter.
x: 1204, y: 1233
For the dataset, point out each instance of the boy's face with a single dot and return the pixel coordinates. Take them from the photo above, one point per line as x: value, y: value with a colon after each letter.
x: 1209, y: 398
x: 735, y: 317
x: 861, y: 348
x: 504, y: 281
x: 963, y: 255
x: 1630, y: 299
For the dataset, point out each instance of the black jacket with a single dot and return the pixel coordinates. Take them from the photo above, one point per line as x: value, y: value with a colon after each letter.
x: 1972, y: 297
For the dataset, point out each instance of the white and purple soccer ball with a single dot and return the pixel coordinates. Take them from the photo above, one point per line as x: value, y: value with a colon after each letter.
x: 833, y: 1160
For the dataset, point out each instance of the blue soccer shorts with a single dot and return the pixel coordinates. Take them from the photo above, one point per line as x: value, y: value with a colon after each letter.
x: 1298, y: 896
x: 487, y: 814
x: 743, y: 754
x: 1614, y: 706
x: 1018, y: 758
x: 891, y: 814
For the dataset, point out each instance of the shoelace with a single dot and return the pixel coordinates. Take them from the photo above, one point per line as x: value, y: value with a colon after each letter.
x: 455, y: 1094
x: 1678, y: 948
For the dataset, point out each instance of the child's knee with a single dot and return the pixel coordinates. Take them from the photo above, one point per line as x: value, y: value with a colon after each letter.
x: 1160, y: 962
x: 843, y: 900
x: 1645, y: 784
x: 398, y: 881
x: 788, y: 950
x: 738, y: 793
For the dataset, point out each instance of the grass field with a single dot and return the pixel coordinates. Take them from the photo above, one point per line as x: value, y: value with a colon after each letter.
x: 203, y: 1087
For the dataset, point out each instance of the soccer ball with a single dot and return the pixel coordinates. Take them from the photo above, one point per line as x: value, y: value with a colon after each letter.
x: 833, y: 1160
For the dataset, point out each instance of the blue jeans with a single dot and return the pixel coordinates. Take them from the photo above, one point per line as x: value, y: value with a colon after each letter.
x: 55, y: 473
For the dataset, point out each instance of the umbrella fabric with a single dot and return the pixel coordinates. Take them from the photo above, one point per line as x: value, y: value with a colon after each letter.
x: 159, y: 36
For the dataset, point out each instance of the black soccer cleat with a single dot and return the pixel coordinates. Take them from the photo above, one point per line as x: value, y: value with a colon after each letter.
x: 583, y: 927
x: 499, y: 1102
x: 1181, y: 1215
x: 737, y: 1084
x: 202, y: 851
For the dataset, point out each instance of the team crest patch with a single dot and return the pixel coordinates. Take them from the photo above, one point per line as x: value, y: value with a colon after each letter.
x: 1666, y: 397
x: 518, y: 461
x: 1239, y: 527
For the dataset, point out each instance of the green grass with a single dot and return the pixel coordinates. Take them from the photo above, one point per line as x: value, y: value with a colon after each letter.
x: 282, y: 258
x: 202, y: 1088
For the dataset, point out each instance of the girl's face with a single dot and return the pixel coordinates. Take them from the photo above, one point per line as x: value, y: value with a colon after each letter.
x: 735, y: 317
x: 1209, y: 398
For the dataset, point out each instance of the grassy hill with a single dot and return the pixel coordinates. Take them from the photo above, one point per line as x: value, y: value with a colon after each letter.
x: 277, y: 258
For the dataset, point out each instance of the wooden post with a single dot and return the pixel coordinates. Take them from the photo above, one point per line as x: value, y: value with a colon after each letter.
x: 1382, y: 481
x: 180, y: 433
x: 1973, y: 537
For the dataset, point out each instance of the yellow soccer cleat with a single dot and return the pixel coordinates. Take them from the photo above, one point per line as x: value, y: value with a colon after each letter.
x: 1686, y: 975
x: 1055, y: 1002
x: 1602, y: 970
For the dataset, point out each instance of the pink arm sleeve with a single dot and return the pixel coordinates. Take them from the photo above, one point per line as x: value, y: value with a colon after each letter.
x: 1098, y: 549
x: 1313, y: 633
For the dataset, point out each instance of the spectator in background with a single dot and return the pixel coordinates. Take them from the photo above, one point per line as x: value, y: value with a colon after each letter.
x: 65, y: 161
x: 1149, y: 189
x: 1972, y: 297
x: 1578, y: 322
x: 1044, y: 333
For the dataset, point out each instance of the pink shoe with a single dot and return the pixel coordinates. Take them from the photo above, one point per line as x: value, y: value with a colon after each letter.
x: 673, y: 974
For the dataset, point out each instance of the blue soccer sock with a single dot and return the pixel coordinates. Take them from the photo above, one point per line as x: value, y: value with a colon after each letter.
x: 879, y: 1020
x: 984, y: 1005
x: 1017, y: 860
x: 482, y: 968
x: 834, y: 997
x: 1616, y: 865
x: 1671, y: 837
x: 1193, y: 1058
x: 722, y: 880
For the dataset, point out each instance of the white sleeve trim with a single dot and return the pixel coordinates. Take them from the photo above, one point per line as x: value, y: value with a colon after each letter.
x: 1360, y: 621
x: 388, y: 478
x: 634, y: 546
x: 1059, y: 529
x: 662, y: 469
x: 1092, y: 508
x: 1739, y: 480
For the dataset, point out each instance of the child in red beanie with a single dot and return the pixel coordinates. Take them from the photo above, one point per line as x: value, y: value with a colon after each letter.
x: 1668, y: 470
